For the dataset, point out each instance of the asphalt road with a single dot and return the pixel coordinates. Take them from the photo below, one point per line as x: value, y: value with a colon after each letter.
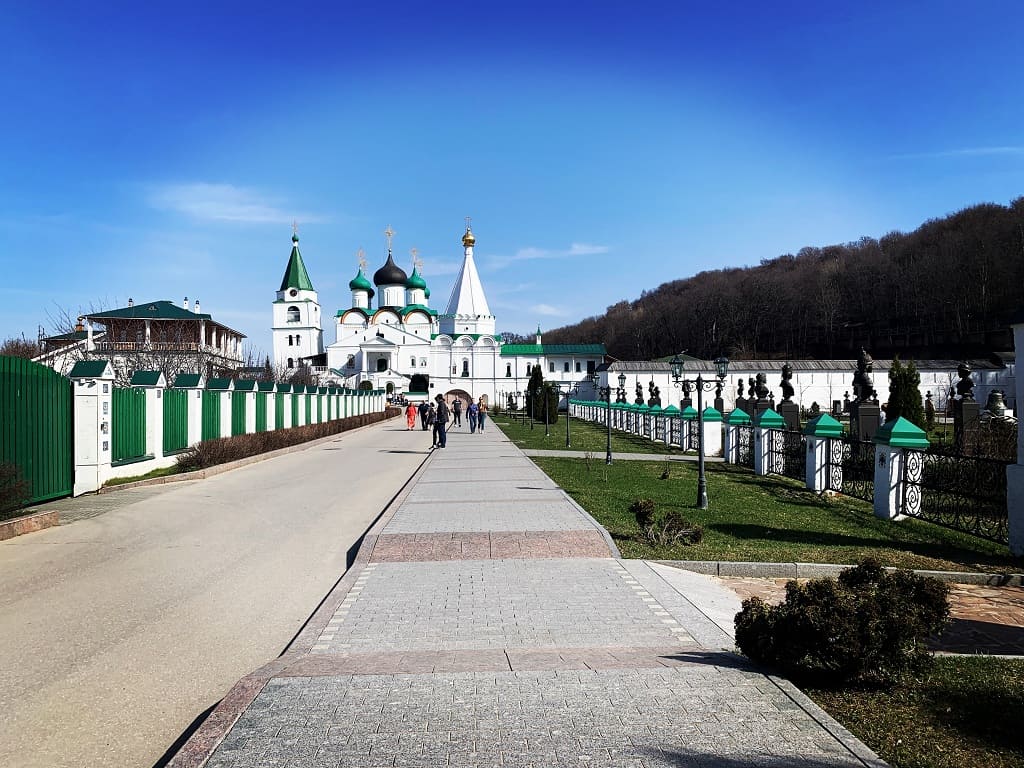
x: 118, y: 630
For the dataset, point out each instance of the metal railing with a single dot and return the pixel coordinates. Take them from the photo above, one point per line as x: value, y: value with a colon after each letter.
x: 857, y: 468
x: 745, y: 446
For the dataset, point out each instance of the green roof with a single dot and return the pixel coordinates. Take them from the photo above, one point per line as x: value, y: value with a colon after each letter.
x: 90, y: 369
x: 245, y: 385
x: 421, y: 307
x: 150, y: 310
x: 901, y: 433
x: 366, y: 311
x: 218, y: 383
x: 146, y: 378
x: 416, y: 280
x: 265, y: 386
x: 360, y: 283
x: 187, y: 380
x: 510, y: 350
x: 295, y: 275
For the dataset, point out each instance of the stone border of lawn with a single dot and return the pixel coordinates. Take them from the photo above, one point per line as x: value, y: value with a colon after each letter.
x: 818, y: 570
x: 202, y: 474
x: 36, y: 521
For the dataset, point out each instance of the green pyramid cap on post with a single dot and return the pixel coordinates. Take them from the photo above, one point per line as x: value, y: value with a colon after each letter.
x: 823, y: 426
x: 769, y: 419
x: 738, y: 417
x: 712, y: 414
x: 689, y: 413
x: 901, y: 433
x: 295, y: 275
x: 671, y: 411
x: 655, y: 410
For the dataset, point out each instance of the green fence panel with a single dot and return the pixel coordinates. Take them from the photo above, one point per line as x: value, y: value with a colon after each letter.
x: 261, y: 412
x: 278, y: 410
x: 238, y: 413
x: 211, y: 414
x: 309, y: 409
x: 319, y: 408
x: 128, y: 424
x: 175, y: 420
x: 36, y: 427
x: 295, y: 410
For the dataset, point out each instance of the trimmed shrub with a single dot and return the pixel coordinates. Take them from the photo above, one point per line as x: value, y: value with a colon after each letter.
x: 867, y: 627
x: 209, y: 453
x: 664, y: 530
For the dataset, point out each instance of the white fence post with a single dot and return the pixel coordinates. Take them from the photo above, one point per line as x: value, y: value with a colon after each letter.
x: 92, y: 387
x: 820, y: 432
x: 896, y: 467
x: 766, y: 460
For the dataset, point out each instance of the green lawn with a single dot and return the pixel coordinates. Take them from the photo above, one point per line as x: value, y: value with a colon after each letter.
x: 584, y: 436
x: 965, y: 714
x: 766, y: 519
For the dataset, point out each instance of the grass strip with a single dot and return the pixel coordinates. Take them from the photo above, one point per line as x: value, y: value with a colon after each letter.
x: 583, y: 436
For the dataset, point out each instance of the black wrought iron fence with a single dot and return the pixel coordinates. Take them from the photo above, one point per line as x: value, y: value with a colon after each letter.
x: 960, y: 492
x: 857, y: 468
x: 745, y: 446
x: 792, y: 459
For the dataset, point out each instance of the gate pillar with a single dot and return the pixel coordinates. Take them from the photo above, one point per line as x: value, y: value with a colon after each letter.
x: 820, y: 432
x: 767, y: 460
x: 898, y: 468
x: 92, y: 384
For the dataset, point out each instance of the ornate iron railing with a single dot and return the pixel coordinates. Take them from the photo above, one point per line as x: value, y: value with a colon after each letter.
x: 960, y: 492
x: 745, y: 446
x: 858, y: 469
x: 792, y: 448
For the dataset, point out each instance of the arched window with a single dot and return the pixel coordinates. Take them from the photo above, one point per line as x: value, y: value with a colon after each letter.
x: 565, y: 368
x: 293, y: 314
x: 289, y: 339
x: 291, y: 362
x: 412, y: 362
x: 423, y: 362
x: 508, y: 370
x: 465, y: 367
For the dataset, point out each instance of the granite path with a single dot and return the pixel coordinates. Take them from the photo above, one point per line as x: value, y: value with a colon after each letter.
x: 489, y: 621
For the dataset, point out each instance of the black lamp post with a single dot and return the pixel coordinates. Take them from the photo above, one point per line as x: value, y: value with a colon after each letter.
x: 533, y: 407
x: 721, y: 370
x: 570, y: 388
x: 606, y: 395
x: 545, y: 390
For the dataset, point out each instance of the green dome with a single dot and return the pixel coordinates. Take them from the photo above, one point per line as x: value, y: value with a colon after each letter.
x: 416, y: 280
x: 426, y: 293
x: 360, y: 283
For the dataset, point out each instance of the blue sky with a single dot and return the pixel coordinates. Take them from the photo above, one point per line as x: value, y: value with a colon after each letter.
x: 162, y: 150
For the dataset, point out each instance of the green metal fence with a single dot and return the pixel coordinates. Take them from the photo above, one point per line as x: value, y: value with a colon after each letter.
x: 128, y: 425
x: 261, y: 412
x: 295, y: 410
x: 175, y: 420
x: 309, y: 409
x: 278, y: 410
x: 211, y: 415
x: 238, y: 413
x: 36, y: 427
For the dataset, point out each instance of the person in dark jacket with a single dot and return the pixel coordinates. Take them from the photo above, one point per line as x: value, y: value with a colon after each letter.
x: 424, y: 412
x: 457, y: 412
x: 441, y: 422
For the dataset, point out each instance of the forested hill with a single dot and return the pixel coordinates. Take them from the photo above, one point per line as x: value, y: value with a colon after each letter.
x: 947, y: 289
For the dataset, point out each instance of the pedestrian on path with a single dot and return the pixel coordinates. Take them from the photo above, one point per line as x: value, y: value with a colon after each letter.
x: 471, y: 413
x: 424, y: 413
x: 410, y: 415
x: 441, y: 422
x: 481, y: 414
x: 457, y: 412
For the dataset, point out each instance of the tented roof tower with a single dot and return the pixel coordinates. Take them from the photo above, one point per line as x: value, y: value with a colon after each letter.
x: 467, y: 310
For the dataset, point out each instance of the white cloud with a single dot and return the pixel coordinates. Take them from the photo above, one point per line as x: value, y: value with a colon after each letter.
x: 546, y: 310
x: 583, y: 249
x: 224, y: 202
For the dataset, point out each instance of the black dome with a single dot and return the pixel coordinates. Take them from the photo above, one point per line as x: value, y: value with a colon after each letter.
x: 390, y: 274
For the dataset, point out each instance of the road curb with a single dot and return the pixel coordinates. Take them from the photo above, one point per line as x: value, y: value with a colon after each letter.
x: 818, y: 570
x: 36, y: 521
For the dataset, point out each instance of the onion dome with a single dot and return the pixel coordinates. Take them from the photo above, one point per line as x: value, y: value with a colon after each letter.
x: 468, y: 240
x: 390, y: 274
x: 360, y: 283
x: 416, y: 280
x: 426, y: 293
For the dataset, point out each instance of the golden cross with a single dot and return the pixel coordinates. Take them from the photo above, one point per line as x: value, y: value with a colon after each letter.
x: 361, y: 255
x: 468, y: 220
x: 416, y: 262
x: 295, y: 227
x: 388, y: 233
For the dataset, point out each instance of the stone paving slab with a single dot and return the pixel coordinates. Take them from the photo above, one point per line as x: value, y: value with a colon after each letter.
x: 694, y: 715
x: 553, y: 514
x: 539, y: 490
x: 483, y: 604
x: 503, y: 545
x: 482, y: 477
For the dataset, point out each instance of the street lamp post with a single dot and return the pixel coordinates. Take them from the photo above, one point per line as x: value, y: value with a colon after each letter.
x: 570, y: 388
x: 721, y: 370
x: 606, y: 395
x: 533, y: 407
x: 546, y: 392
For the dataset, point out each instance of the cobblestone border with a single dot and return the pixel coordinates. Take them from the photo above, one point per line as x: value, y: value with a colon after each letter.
x: 30, y: 523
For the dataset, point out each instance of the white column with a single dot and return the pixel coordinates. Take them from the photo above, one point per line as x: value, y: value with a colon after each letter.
x: 889, y: 462
x: 225, y: 413
x: 155, y: 422
x: 92, y: 405
x: 250, y: 411
x: 195, y: 415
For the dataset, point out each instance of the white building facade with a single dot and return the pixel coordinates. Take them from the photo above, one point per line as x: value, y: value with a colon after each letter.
x: 406, y: 347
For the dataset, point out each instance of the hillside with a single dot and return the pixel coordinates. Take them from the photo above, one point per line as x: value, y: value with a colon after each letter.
x: 948, y: 288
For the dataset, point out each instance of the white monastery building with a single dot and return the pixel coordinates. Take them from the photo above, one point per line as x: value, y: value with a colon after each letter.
x: 405, y: 347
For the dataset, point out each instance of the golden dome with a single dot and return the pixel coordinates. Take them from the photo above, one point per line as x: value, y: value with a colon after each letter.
x: 468, y: 239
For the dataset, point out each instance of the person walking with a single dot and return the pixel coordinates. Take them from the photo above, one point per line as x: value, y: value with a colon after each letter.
x: 471, y: 413
x: 457, y: 412
x: 481, y: 414
x: 424, y: 413
x: 441, y: 422
x: 410, y: 415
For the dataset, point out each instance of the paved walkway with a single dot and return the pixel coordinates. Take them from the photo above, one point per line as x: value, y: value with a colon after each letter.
x: 489, y: 622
